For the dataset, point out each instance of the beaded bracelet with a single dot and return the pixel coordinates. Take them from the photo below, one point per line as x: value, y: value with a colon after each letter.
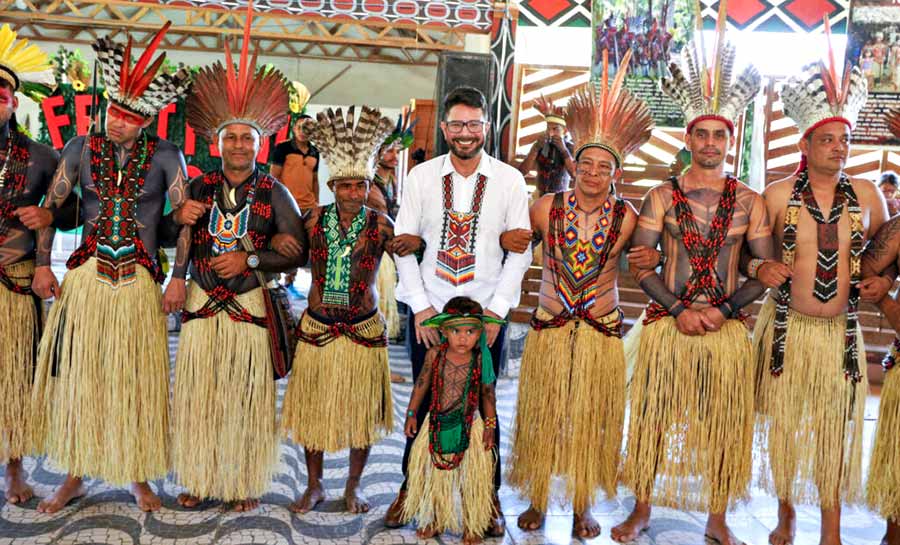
x: 754, y: 265
x: 410, y: 413
x: 490, y: 422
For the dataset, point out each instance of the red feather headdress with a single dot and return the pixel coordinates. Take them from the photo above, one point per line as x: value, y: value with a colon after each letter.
x: 142, y: 89
x: 222, y: 96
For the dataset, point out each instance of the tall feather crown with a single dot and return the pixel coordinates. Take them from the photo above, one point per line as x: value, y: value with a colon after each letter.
x: 222, y: 96
x: 142, y: 89
x: 551, y: 112
x: 608, y: 116
x: 710, y: 92
x: 348, y: 149
x: 816, y: 96
x: 893, y: 121
x: 25, y: 67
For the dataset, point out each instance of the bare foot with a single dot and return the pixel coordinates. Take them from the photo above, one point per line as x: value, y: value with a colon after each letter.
x: 718, y: 533
x: 146, y: 500
x: 427, y: 532
x: 243, y: 506
x: 397, y: 378
x: 356, y: 502
x: 393, y: 517
x: 585, y: 525
x: 312, y: 497
x: 186, y: 500
x: 17, y: 490
x: 530, y: 520
x: 638, y: 521
x: 69, y: 490
x: 497, y: 527
x: 468, y: 538
x: 784, y: 533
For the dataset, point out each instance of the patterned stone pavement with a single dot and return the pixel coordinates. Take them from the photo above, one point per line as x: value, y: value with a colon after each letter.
x: 108, y: 515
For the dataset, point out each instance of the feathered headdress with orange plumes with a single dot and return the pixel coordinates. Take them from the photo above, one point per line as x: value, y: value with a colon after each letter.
x: 142, y: 89
x: 710, y: 92
x: 608, y: 116
x: 551, y: 112
x: 222, y: 96
x: 893, y: 120
x: 25, y: 66
x: 817, y: 96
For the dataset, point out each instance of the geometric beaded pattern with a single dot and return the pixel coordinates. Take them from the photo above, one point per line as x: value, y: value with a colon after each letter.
x: 456, y: 254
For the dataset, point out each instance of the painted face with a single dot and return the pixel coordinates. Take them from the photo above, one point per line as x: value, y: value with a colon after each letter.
x: 8, y: 104
x: 464, y: 130
x: 595, y: 171
x: 461, y: 338
x: 889, y: 190
x: 708, y: 142
x: 124, y: 127
x: 827, y: 147
x: 238, y: 144
x: 350, y: 194
x: 388, y: 157
x: 299, y: 135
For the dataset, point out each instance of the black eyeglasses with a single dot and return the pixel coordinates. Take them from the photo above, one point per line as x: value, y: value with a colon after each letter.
x: 476, y: 125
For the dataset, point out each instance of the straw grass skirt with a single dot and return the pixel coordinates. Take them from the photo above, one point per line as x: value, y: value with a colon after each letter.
x: 810, y: 418
x: 21, y: 322
x: 101, y: 390
x: 339, y: 395
x: 225, y: 436
x: 883, y: 492
x: 387, y: 298
x: 691, y: 425
x: 571, y: 410
x: 456, y: 500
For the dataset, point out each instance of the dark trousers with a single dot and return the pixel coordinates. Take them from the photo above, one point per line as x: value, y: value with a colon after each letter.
x: 417, y: 355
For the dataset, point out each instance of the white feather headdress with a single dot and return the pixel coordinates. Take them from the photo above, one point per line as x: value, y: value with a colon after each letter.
x: 816, y: 96
x: 710, y: 92
x: 348, y: 149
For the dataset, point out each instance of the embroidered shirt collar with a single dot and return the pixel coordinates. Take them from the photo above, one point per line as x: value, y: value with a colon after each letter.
x: 484, y: 166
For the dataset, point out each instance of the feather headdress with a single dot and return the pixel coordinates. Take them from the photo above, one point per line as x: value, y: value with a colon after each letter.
x: 817, y: 96
x: 26, y: 67
x: 893, y: 120
x: 222, y: 96
x: 551, y: 112
x: 608, y: 116
x: 349, y: 149
x: 710, y: 92
x: 403, y: 130
x: 142, y: 89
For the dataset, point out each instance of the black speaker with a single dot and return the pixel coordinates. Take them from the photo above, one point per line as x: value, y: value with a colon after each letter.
x: 457, y: 70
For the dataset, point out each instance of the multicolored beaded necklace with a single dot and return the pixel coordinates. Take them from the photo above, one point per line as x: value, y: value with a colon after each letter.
x: 456, y: 253
x: 337, y: 270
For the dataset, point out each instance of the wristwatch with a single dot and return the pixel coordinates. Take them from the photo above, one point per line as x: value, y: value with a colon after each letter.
x: 252, y: 261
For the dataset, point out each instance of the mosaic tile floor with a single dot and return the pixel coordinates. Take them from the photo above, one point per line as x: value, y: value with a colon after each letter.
x: 109, y: 516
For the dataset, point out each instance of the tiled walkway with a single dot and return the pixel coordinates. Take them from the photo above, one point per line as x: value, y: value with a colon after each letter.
x: 110, y: 516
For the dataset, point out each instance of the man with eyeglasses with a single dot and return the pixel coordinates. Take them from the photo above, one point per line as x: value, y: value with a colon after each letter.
x: 442, y: 203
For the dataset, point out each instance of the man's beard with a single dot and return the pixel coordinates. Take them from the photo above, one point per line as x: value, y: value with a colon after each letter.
x: 465, y: 155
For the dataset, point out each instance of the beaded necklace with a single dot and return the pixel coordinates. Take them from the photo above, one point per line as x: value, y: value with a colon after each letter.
x: 115, y: 241
x: 703, y: 252
x: 826, y: 265
x: 456, y: 253
x: 577, y: 270
x: 337, y: 269
x: 462, y: 416
x: 12, y: 184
